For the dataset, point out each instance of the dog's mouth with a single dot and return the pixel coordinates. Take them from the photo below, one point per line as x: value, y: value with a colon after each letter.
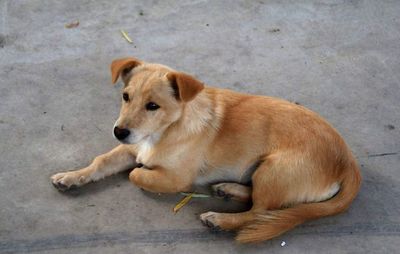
x: 132, y: 140
x: 127, y: 136
x: 125, y: 142
x: 131, y: 136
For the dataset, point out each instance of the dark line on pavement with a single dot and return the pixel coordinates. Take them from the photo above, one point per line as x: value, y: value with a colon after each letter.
x: 380, y: 154
x: 181, y: 236
x: 112, y: 238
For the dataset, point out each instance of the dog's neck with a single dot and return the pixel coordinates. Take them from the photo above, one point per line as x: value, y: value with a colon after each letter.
x: 198, y: 116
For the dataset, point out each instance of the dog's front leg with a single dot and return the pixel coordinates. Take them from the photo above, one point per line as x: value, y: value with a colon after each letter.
x: 159, y: 179
x: 118, y: 159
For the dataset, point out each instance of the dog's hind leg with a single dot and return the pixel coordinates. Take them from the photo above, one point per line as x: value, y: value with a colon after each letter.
x: 117, y: 160
x: 233, y: 191
x: 267, y: 193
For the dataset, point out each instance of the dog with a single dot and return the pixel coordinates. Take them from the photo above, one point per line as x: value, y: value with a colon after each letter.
x: 176, y: 132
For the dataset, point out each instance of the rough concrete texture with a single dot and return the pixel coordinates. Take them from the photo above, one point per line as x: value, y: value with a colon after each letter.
x: 57, y: 108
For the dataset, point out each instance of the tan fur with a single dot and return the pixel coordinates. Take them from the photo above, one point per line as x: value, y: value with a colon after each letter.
x: 202, y: 134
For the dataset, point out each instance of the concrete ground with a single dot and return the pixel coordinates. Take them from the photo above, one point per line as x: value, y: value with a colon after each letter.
x: 57, y: 108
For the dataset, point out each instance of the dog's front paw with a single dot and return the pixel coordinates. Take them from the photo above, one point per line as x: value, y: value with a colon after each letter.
x: 210, y: 219
x: 66, y: 180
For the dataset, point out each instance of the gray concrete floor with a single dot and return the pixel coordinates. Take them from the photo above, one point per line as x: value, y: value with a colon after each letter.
x: 57, y: 108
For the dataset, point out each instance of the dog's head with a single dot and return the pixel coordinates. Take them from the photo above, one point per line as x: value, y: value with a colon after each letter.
x: 153, y: 98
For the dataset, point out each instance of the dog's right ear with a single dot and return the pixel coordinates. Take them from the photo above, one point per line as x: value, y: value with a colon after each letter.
x: 122, y: 67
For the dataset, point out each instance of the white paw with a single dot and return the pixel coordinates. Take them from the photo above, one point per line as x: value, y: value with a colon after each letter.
x: 66, y: 180
x: 210, y: 219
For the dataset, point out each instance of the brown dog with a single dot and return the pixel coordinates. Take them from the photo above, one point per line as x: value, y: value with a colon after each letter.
x: 185, y: 133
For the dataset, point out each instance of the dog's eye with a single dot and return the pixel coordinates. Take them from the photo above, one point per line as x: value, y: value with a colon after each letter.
x: 125, y: 96
x: 152, y: 106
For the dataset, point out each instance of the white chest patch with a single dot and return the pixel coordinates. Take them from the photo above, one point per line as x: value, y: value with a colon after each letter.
x: 145, y: 150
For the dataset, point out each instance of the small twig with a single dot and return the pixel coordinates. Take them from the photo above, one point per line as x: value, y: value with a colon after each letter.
x: 72, y: 24
x: 126, y: 36
x: 183, y: 202
x: 195, y: 195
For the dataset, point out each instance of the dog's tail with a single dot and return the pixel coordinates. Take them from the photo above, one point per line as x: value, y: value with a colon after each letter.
x: 277, y: 222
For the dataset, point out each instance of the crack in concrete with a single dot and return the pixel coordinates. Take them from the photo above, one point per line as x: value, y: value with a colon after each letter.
x: 380, y: 154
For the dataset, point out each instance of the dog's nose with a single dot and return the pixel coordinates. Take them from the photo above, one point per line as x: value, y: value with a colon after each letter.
x: 121, y: 133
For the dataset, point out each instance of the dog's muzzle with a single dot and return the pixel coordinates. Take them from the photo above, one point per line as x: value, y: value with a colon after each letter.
x: 121, y: 134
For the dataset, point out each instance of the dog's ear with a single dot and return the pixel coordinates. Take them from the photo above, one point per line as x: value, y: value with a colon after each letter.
x: 185, y: 86
x: 122, y: 67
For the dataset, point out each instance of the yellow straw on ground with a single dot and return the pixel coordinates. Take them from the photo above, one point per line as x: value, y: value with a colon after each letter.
x: 126, y: 36
x: 183, y: 202
x: 195, y: 195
